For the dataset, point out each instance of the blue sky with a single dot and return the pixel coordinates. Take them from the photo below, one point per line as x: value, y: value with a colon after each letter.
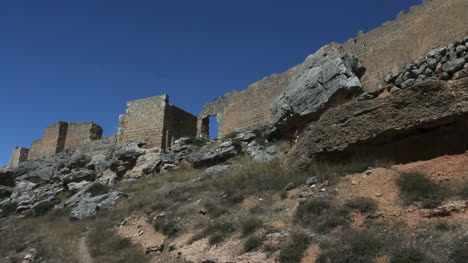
x: 83, y: 60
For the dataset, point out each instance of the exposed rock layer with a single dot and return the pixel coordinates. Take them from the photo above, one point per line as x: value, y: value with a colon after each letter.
x: 427, y: 120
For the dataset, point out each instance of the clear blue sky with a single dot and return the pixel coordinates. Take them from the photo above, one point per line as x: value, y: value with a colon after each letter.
x: 82, y: 60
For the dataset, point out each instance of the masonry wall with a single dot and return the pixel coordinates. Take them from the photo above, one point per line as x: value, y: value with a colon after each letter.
x: 19, y: 155
x: 61, y: 136
x: 81, y: 131
x: 384, y: 50
x: 387, y: 49
x: 245, y: 109
x: 178, y: 123
x: 144, y: 120
x: 35, y: 149
x: 53, y: 140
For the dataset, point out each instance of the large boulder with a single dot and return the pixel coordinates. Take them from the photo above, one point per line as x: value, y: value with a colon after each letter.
x: 91, y: 205
x: 327, y: 78
x: 424, y: 121
x: 226, y: 150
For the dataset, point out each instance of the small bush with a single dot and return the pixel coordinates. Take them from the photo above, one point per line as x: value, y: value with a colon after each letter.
x: 107, y: 246
x: 311, y: 209
x: 230, y: 135
x: 8, y: 208
x: 408, y: 255
x: 460, y: 254
x: 165, y: 226
x: 329, y: 222
x: 359, y: 247
x: 250, y: 224
x: 464, y: 192
x: 215, y: 209
x: 361, y: 204
x: 443, y: 226
x: 416, y: 187
x: 295, y: 250
x: 216, y: 232
x: 252, y: 243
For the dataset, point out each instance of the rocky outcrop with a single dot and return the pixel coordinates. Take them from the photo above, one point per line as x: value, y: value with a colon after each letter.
x: 438, y: 63
x: 426, y: 120
x: 327, y: 78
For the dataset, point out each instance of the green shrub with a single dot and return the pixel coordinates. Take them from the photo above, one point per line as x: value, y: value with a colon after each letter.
x: 328, y: 222
x: 361, y: 204
x: 99, y: 189
x: 464, y: 192
x: 216, y: 232
x: 416, y: 187
x: 460, y: 253
x: 311, y: 209
x: 352, y: 246
x: 408, y: 255
x: 250, y: 224
x: 294, y: 252
x: 252, y: 243
x: 215, y: 209
x: 443, y: 226
x: 165, y: 226
x: 107, y: 246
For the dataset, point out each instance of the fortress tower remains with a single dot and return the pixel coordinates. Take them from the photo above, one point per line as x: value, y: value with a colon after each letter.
x: 155, y: 121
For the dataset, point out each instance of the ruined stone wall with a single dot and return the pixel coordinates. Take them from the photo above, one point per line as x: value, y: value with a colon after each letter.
x: 387, y: 49
x: 19, y: 155
x: 144, y: 120
x: 178, y: 123
x: 245, y: 109
x: 35, y: 149
x: 53, y: 140
x: 61, y: 136
x: 82, y: 131
x: 103, y: 146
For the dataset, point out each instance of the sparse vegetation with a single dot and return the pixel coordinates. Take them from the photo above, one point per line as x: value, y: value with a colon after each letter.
x: 252, y: 243
x: 361, y: 204
x: 311, y: 209
x: 106, y: 246
x: 294, y: 252
x: 166, y: 226
x: 216, y: 232
x: 464, y: 192
x: 416, y: 187
x: 351, y: 246
x: 408, y: 255
x: 250, y: 224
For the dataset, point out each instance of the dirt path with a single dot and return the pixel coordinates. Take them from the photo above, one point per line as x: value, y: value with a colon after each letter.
x: 85, y: 256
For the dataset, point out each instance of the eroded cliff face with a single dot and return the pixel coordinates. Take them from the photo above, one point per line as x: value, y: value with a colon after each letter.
x: 429, y: 119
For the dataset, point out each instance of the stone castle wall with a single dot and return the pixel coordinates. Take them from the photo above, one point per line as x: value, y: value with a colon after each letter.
x: 155, y: 121
x: 61, y: 136
x: 144, y: 120
x: 245, y: 109
x: 81, y: 131
x: 390, y: 47
x: 53, y: 140
x: 19, y: 155
x: 178, y: 123
x: 386, y: 49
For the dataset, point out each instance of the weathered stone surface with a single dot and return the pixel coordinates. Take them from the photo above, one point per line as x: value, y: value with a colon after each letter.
x: 42, y: 207
x: 263, y: 154
x: 453, y: 65
x: 91, y: 205
x: 214, y: 157
x: 125, y: 157
x: 217, y: 169
x: 397, y: 128
x: 327, y: 78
